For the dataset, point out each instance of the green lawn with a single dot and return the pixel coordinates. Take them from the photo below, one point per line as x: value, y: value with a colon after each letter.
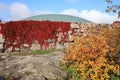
x: 35, y: 52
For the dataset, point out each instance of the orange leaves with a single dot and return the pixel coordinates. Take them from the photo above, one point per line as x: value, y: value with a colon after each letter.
x: 90, y: 56
x: 87, y: 50
x: 107, y: 46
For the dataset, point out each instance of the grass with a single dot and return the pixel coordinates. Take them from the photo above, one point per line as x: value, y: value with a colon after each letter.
x: 46, y: 51
x: 36, y: 52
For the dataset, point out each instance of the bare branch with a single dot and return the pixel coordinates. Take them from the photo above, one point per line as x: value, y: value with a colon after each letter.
x: 113, y: 7
x: 109, y: 1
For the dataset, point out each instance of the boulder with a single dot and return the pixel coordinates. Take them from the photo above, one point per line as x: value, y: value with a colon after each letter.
x: 33, y: 67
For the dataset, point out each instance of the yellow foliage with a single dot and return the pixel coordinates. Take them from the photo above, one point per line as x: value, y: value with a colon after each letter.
x: 90, y: 56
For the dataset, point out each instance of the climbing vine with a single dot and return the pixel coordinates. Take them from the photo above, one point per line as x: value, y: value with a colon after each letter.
x: 18, y: 33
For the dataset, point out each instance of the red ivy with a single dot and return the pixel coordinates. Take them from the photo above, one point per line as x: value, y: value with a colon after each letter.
x: 18, y: 33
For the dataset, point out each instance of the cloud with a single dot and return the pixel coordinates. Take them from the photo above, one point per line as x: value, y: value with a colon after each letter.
x: 42, y: 12
x: 73, y: 12
x: 97, y: 16
x: 19, y: 11
x: 3, y: 7
x: 92, y: 15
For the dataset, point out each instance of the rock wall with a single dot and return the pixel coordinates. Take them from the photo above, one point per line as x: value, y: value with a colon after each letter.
x: 77, y: 29
x: 1, y: 41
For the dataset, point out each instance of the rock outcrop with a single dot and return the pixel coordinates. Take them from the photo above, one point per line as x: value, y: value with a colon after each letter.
x: 32, y: 67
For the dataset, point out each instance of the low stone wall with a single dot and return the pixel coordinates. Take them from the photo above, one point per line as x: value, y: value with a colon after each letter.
x: 1, y: 41
x: 77, y: 29
x: 85, y: 29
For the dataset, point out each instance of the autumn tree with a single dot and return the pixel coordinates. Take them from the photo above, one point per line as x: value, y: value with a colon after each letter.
x: 94, y: 57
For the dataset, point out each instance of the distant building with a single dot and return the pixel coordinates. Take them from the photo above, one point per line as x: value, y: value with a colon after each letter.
x: 58, y: 17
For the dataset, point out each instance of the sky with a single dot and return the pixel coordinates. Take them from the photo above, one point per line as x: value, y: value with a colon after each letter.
x: 93, y: 10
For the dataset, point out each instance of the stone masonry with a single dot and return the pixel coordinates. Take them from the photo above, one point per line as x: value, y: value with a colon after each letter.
x: 80, y: 29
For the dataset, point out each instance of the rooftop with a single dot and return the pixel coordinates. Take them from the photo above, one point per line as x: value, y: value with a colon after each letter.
x: 58, y: 17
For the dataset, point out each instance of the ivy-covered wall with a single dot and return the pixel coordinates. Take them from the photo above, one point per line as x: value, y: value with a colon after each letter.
x: 35, y: 35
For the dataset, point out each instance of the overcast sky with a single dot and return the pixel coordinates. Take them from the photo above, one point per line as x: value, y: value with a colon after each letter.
x: 93, y: 10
